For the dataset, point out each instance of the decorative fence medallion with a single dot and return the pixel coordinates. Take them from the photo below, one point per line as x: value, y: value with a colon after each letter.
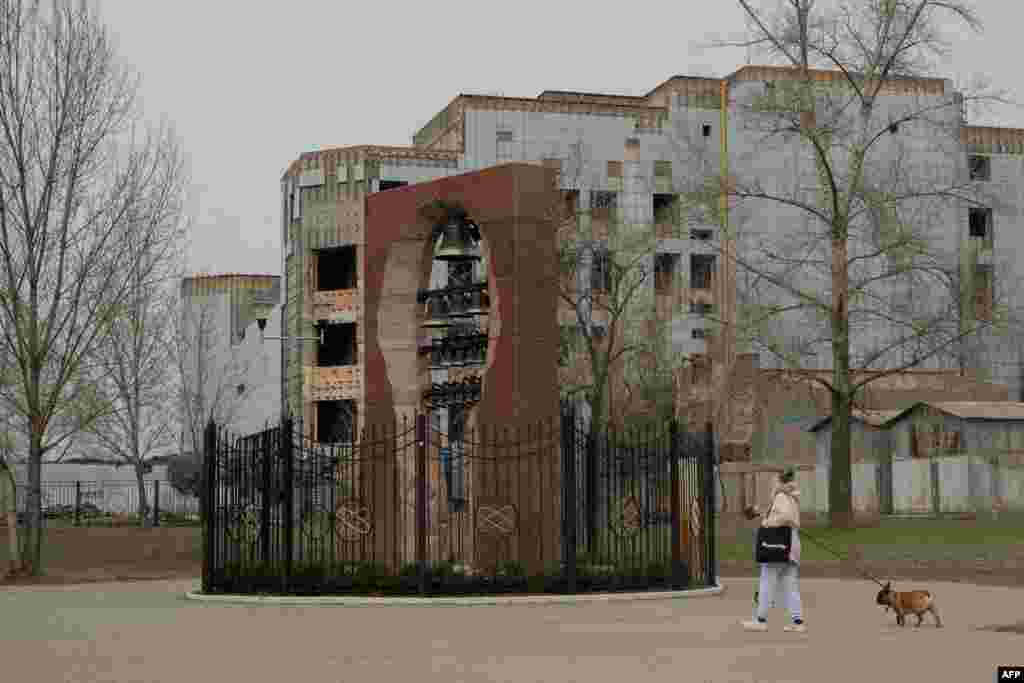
x: 317, y: 526
x: 496, y: 519
x: 246, y: 527
x: 629, y: 520
x: 352, y: 521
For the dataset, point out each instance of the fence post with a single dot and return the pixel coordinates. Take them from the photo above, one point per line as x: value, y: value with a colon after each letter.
x: 675, y: 501
x: 289, y: 499
x: 590, y: 465
x: 710, y: 519
x: 936, y: 494
x: 569, y: 497
x: 208, y: 502
x: 156, y: 502
x: 78, y: 501
x: 265, y: 510
x: 421, y: 500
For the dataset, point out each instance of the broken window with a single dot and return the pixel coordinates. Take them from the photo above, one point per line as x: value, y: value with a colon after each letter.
x: 391, y: 184
x: 705, y: 130
x: 979, y: 222
x: 335, y: 421
x: 340, y: 346
x: 336, y: 268
x: 664, y: 271
x: 700, y: 308
x: 700, y: 234
x: 602, y: 203
x: 980, y: 166
x: 601, y: 270
x: 571, y: 199
x: 698, y: 333
x: 664, y: 208
x: 505, y: 151
x: 702, y: 266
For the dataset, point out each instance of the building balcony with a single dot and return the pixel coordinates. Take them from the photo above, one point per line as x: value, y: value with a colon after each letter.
x: 338, y: 383
x: 338, y: 305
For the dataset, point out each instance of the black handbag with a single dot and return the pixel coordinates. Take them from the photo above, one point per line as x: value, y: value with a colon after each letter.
x: 773, y: 542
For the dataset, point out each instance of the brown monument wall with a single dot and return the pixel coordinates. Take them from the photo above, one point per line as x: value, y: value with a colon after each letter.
x: 510, y: 204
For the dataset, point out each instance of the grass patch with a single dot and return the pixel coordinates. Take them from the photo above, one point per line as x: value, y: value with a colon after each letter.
x: 922, y: 538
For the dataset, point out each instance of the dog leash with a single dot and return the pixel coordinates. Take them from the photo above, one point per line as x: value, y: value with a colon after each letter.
x: 863, y: 573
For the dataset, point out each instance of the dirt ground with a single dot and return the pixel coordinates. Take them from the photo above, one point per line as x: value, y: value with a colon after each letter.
x: 146, y: 631
x: 82, y: 555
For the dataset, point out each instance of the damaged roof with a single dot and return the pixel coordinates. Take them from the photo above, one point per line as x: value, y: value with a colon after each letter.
x: 1010, y: 411
x: 874, y: 418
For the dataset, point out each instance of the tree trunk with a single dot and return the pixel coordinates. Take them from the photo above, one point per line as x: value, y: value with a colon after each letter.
x: 145, y: 520
x: 840, y: 500
x: 199, y: 452
x: 12, y: 522
x: 593, y: 463
x: 33, y: 542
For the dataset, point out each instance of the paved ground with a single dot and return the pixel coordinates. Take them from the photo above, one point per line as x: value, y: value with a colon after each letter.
x: 146, y: 631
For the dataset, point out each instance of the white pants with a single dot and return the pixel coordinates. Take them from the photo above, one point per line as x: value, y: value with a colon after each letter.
x: 779, y: 579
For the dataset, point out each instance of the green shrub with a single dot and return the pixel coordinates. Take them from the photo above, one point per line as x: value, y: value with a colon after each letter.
x: 511, y: 568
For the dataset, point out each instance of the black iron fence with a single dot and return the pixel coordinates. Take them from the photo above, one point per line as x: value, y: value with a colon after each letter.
x: 408, y: 509
x: 93, y: 503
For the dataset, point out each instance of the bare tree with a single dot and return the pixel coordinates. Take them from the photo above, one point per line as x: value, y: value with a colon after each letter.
x: 607, y: 278
x: 850, y: 282
x: 75, y: 180
x: 134, y: 366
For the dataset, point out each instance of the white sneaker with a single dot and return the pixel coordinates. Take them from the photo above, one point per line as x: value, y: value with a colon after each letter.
x: 755, y: 626
x: 796, y: 628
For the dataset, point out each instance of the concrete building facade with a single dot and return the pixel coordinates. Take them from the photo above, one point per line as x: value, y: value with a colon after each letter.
x: 634, y: 156
x: 228, y: 374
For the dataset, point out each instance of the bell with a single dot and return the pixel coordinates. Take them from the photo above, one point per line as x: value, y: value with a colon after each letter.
x: 459, y: 352
x: 437, y: 313
x: 448, y: 355
x: 479, y: 303
x: 457, y: 309
x: 455, y: 244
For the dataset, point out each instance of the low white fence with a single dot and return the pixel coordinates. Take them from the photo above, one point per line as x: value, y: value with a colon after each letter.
x: 939, y: 485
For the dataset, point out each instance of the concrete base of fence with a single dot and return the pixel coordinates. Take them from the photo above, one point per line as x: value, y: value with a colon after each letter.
x: 368, y: 601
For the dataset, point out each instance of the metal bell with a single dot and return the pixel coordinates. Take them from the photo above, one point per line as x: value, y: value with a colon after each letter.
x: 448, y: 354
x: 459, y: 352
x: 457, y: 309
x: 437, y: 313
x: 456, y: 244
x: 479, y: 303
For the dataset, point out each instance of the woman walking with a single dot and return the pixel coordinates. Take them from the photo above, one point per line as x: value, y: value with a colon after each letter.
x: 780, y: 579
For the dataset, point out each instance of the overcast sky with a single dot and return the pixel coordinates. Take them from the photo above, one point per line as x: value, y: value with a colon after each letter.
x: 251, y: 85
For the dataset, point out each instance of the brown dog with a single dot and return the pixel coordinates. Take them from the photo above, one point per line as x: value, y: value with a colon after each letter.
x: 909, y: 602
